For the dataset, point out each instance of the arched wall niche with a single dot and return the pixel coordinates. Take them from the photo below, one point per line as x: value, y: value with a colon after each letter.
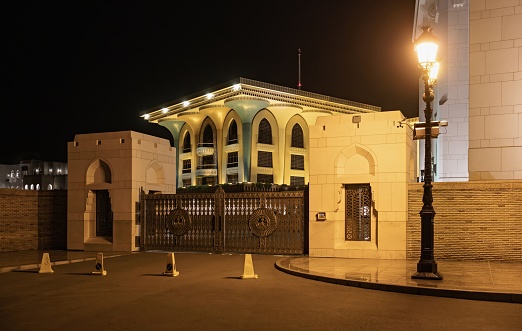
x: 356, y: 159
x: 155, y: 174
x: 98, y: 171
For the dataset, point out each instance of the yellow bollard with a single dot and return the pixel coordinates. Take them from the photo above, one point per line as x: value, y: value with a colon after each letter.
x: 170, y: 269
x: 45, y: 266
x: 248, y: 269
x: 98, y: 268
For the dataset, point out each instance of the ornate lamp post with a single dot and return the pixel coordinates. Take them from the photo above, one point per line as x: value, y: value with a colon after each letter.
x: 426, y: 47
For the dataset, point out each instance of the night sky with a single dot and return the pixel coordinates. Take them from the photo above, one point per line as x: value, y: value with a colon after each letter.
x: 72, y: 67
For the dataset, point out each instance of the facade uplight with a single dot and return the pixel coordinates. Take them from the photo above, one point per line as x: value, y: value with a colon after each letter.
x: 164, y: 110
x: 209, y: 96
x: 186, y: 103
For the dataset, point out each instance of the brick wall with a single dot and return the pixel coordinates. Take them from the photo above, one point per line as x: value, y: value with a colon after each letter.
x: 32, y: 220
x: 480, y: 220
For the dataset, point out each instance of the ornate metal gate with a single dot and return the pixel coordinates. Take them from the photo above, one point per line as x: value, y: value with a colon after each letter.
x: 246, y: 222
x: 358, y: 212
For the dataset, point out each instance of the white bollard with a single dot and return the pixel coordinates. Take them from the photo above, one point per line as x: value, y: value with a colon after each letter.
x: 45, y: 266
x: 170, y: 269
x: 248, y: 269
x: 98, y: 268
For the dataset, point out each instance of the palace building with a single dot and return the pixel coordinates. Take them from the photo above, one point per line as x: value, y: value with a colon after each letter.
x: 247, y: 131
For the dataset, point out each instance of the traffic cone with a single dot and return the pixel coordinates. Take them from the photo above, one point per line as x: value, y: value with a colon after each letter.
x: 45, y: 266
x: 98, y: 268
x: 248, y: 269
x: 170, y: 270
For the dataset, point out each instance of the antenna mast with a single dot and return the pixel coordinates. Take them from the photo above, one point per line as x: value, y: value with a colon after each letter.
x: 299, y: 60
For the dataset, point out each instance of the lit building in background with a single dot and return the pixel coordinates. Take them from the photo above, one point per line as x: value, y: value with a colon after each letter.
x: 34, y: 175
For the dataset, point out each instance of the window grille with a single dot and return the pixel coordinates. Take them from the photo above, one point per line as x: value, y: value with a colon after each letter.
x: 358, y: 212
x: 297, y: 181
x: 186, y: 143
x: 265, y: 132
x: 264, y: 159
x: 232, y: 133
x: 232, y: 160
x: 297, y: 162
x: 187, y: 166
x: 297, y: 136
x: 262, y: 178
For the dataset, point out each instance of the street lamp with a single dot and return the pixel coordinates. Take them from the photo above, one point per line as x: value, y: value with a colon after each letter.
x: 426, y: 47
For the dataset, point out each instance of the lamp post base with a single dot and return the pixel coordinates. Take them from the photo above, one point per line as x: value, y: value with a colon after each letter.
x: 427, y: 269
x: 427, y: 275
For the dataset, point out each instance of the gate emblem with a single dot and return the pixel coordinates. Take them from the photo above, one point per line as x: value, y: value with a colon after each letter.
x: 179, y: 222
x: 262, y: 222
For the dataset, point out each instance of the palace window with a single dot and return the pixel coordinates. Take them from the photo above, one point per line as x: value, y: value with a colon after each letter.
x: 297, y: 181
x: 297, y: 136
x: 232, y: 160
x: 264, y: 159
x: 297, y: 162
x: 208, y: 136
x: 232, y: 178
x: 265, y: 132
x: 232, y: 133
x: 262, y: 178
x: 186, y: 143
x: 187, y: 166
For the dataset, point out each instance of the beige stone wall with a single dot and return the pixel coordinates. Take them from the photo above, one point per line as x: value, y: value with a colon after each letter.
x: 376, y: 151
x: 495, y: 120
x: 473, y: 221
x: 122, y: 163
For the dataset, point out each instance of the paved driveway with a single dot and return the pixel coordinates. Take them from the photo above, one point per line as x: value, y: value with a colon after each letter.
x: 209, y: 294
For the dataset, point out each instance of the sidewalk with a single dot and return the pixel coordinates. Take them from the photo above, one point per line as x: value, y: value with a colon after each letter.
x: 475, y: 280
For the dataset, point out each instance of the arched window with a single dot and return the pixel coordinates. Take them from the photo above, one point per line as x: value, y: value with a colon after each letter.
x: 232, y: 133
x: 265, y: 132
x: 297, y: 136
x: 208, y: 137
x: 186, y: 143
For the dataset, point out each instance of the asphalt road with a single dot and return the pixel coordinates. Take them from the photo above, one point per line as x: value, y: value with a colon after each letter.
x: 209, y: 294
